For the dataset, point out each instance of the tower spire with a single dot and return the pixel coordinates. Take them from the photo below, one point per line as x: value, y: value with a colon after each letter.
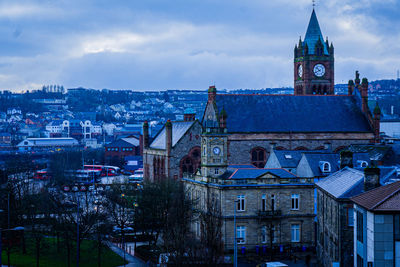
x: 313, y: 4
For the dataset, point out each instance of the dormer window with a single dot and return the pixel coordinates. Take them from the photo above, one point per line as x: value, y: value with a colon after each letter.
x: 325, y: 166
x: 362, y: 163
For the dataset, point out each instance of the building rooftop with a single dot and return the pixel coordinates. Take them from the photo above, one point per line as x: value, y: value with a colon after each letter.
x: 179, y: 128
x: 384, y: 199
x: 289, y: 113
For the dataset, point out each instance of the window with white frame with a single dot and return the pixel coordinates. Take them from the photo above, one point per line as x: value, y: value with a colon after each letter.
x: 264, y: 234
x: 295, y: 201
x: 241, y: 234
x: 295, y: 232
x: 264, y: 202
x: 241, y: 203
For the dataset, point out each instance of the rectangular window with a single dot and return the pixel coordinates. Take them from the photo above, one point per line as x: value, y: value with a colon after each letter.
x: 216, y: 171
x: 350, y: 217
x: 241, y: 234
x: 264, y: 202
x: 264, y: 234
x: 241, y: 203
x: 295, y: 232
x: 360, y: 227
x: 360, y: 261
x: 295, y: 201
x: 397, y: 227
x: 274, y: 234
x: 273, y: 207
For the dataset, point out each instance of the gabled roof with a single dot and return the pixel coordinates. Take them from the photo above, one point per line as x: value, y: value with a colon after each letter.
x: 341, y: 184
x: 384, y: 198
x: 179, y: 128
x: 314, y: 160
x: 289, y: 113
x: 289, y: 158
x: 121, y: 143
x: 314, y: 34
x: 253, y: 173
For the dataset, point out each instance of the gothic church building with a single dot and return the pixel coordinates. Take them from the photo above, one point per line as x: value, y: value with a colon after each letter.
x: 311, y: 119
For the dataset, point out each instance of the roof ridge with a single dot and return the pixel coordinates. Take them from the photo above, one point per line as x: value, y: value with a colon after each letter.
x: 387, y: 197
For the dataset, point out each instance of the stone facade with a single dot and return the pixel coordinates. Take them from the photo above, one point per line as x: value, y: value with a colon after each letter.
x: 253, y: 217
x: 158, y: 163
x: 334, y: 230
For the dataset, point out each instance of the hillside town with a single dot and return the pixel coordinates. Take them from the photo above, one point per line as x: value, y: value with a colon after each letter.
x: 307, y: 175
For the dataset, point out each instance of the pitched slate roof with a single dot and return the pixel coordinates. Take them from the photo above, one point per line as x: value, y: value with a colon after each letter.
x: 289, y: 113
x: 253, y: 173
x: 384, y: 198
x: 289, y: 158
x: 314, y: 34
x: 179, y: 128
x: 121, y: 143
x: 341, y: 183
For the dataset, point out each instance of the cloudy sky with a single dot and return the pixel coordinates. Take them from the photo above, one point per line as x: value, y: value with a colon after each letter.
x: 187, y: 44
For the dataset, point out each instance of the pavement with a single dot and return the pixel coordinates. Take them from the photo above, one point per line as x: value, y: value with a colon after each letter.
x: 132, y: 260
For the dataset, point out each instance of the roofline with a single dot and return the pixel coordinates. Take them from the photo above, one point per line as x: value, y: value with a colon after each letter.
x: 283, y: 95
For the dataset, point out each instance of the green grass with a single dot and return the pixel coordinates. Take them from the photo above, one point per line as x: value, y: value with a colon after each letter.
x: 50, y: 257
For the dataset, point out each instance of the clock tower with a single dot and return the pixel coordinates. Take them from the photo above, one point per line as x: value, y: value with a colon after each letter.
x: 313, y: 62
x: 214, y: 147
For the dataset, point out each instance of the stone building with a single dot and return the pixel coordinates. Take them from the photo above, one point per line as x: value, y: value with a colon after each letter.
x: 257, y: 123
x: 174, y: 150
x: 272, y: 207
x: 335, y: 213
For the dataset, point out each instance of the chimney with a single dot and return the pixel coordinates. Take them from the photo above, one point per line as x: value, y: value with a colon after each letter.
x: 346, y: 159
x: 146, y: 134
x: 371, y: 178
x: 376, y: 122
x: 168, y: 137
x: 189, y: 114
x: 350, y: 87
x: 357, y: 79
x: 364, y: 95
x: 212, y: 92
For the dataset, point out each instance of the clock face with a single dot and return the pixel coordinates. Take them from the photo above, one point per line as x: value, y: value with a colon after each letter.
x: 216, y: 150
x: 319, y: 70
x: 300, y: 71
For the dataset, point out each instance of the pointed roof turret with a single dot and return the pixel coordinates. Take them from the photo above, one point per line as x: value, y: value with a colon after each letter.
x: 314, y: 34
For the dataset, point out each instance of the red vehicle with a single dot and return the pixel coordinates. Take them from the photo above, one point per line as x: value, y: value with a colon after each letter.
x: 42, y: 175
x: 104, y: 170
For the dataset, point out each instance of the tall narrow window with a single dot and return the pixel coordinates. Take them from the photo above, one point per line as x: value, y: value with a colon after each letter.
x: 295, y: 201
x: 264, y: 234
x: 295, y: 233
x: 273, y: 207
x: 241, y: 234
x: 350, y: 216
x: 264, y: 202
x: 241, y: 203
x: 360, y: 227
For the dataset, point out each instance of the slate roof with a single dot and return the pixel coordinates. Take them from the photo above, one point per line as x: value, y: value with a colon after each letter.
x: 121, y: 143
x: 313, y: 34
x: 341, y: 183
x: 314, y: 159
x: 376, y: 152
x: 289, y: 113
x: 289, y: 158
x: 253, y: 173
x: 179, y: 128
x: 384, y: 198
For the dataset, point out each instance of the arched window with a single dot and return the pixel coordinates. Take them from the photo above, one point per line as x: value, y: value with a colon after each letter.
x: 186, y: 166
x: 258, y: 157
x: 280, y: 148
x: 326, y: 167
